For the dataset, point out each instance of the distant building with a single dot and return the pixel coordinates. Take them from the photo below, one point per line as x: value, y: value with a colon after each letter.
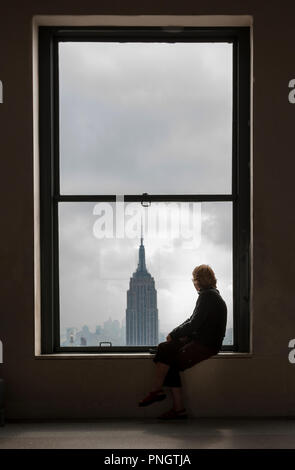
x: 228, y: 339
x: 80, y: 338
x: 70, y: 335
x: 111, y: 331
x: 141, y: 312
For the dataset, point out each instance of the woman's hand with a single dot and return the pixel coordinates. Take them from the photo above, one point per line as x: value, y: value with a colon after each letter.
x: 184, y: 338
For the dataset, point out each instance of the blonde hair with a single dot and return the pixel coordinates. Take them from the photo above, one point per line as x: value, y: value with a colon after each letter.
x: 205, y: 276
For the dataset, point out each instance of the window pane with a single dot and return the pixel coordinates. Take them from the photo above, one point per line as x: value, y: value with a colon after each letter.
x: 119, y: 290
x: 145, y: 117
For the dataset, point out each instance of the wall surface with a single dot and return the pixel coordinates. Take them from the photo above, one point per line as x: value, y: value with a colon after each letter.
x: 260, y: 384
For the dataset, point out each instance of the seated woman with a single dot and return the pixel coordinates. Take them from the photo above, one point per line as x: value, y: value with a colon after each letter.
x: 195, y: 340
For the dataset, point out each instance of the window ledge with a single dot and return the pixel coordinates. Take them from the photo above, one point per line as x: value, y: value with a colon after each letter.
x: 222, y: 355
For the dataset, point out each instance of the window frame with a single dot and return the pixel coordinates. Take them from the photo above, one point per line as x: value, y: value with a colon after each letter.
x: 48, y: 38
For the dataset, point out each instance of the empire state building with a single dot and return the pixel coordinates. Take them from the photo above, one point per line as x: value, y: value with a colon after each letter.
x: 141, y: 312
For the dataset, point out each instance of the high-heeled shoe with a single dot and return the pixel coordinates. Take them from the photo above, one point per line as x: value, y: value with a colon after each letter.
x: 152, y: 397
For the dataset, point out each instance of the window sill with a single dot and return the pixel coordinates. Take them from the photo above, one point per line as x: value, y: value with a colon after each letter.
x: 222, y: 355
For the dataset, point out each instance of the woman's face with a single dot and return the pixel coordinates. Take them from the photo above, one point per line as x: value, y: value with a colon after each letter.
x: 196, y: 284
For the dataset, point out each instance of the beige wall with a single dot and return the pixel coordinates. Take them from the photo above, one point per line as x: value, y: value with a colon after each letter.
x: 262, y: 383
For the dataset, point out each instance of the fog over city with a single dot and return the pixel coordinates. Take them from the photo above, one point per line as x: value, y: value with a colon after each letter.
x: 135, y: 118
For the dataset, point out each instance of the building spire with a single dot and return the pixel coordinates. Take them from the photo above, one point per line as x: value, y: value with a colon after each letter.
x: 141, y: 261
x: 141, y: 234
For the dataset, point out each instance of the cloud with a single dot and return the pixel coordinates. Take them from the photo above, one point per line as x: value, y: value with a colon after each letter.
x: 163, y: 110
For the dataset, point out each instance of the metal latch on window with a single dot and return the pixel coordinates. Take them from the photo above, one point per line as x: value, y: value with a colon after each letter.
x: 145, y: 200
x: 105, y: 342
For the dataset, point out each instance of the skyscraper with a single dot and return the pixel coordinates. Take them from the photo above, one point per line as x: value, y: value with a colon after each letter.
x: 141, y: 312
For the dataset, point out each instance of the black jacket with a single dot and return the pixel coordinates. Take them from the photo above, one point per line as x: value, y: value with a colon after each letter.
x: 207, y: 324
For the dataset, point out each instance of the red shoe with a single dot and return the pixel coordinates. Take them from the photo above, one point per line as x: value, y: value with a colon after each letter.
x: 158, y: 395
x: 173, y: 414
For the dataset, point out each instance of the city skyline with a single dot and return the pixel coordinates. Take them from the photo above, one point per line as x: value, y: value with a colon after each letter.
x: 100, y: 334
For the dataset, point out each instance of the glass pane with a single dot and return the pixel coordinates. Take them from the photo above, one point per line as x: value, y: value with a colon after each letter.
x: 118, y: 288
x: 145, y: 117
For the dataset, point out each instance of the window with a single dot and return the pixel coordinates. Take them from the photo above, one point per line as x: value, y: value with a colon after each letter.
x: 144, y: 174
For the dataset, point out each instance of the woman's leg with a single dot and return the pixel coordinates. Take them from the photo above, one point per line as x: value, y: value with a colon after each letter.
x: 173, y: 381
x: 160, y: 373
x: 164, y: 373
x: 177, y: 398
x: 163, y: 356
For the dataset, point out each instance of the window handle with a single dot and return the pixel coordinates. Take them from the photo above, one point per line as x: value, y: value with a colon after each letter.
x: 145, y: 200
x: 105, y: 342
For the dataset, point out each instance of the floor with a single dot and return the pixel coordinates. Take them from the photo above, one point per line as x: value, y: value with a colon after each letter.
x: 202, y: 433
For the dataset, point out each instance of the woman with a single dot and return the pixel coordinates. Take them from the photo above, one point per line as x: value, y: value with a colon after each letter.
x: 195, y: 340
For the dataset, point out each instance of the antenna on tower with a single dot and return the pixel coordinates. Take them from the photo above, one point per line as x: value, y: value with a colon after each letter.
x: 141, y: 232
x: 141, y: 261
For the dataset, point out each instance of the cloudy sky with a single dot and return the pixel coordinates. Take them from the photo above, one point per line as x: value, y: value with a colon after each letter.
x: 135, y: 118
